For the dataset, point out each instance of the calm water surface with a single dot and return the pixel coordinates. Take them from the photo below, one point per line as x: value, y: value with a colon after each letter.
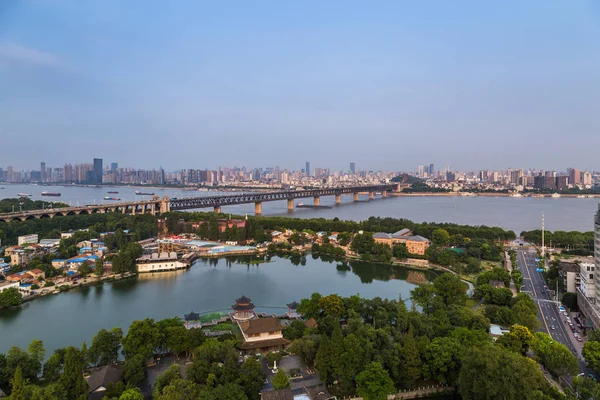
x: 75, y: 316
x: 517, y: 214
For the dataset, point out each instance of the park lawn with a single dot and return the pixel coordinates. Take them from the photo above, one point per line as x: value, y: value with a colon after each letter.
x: 488, y: 265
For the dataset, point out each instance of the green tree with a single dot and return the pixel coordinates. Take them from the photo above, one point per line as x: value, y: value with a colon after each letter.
x: 569, y: 299
x: 10, y: 297
x: 491, y: 372
x: 134, y: 369
x: 142, y: 337
x: 280, y: 380
x: 229, y: 391
x: 441, y: 237
x: 165, y: 379
x: 374, y: 383
x: 323, y: 360
x: 99, y: 264
x: 295, y: 330
x: 54, y: 365
x: 441, y: 360
x: 518, y: 339
x: 72, y: 378
x: 84, y: 269
x: 180, y: 389
x: 410, y: 361
x: 132, y: 394
x: 306, y: 350
x: 400, y: 251
x: 252, y: 378
x: 105, y: 346
x: 332, y: 305
x: 591, y: 354
x: 554, y: 355
x: 18, y: 386
x: 451, y: 289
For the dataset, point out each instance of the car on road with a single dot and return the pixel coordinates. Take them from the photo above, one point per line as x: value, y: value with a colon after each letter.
x: 553, y: 327
x: 579, y: 339
x: 565, y: 313
x: 575, y: 334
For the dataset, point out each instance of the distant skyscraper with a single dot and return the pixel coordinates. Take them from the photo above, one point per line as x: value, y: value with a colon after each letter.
x: 420, y: 171
x: 308, y: 168
x: 97, y: 175
x: 431, y: 170
x: 352, y: 168
x: 43, y: 171
x: 114, y: 166
x: 574, y: 176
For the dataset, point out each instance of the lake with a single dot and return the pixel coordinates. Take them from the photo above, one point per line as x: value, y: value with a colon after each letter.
x: 73, y: 317
x: 518, y: 214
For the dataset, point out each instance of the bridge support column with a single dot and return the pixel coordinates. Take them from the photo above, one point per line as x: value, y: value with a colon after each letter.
x: 384, y: 193
x: 218, y: 209
x: 355, y: 196
x: 133, y: 210
x: 124, y: 209
x: 258, y: 208
x: 371, y: 195
x: 338, y: 199
x: 290, y: 204
x: 143, y: 209
x: 317, y: 201
x: 153, y: 209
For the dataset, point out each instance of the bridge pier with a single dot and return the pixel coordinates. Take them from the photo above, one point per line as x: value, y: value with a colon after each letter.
x: 355, y: 196
x: 123, y: 209
x: 133, y: 210
x: 143, y: 211
x: 290, y: 204
x: 217, y: 209
x: 258, y: 208
x: 371, y: 195
x: 317, y: 201
x: 384, y: 193
x: 338, y: 199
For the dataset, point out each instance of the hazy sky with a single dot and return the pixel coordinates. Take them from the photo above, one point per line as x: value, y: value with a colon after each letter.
x: 386, y: 84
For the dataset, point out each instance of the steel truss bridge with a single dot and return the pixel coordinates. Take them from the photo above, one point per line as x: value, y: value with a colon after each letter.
x: 159, y: 205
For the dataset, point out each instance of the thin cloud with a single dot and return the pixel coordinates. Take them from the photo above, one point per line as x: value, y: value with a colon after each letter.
x: 12, y: 54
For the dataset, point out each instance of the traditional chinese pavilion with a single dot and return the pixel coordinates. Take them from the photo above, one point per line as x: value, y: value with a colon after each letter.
x: 192, y: 320
x: 243, y: 309
x: 292, y: 310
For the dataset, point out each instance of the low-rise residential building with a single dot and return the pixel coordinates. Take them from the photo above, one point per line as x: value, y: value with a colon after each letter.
x: 75, y: 262
x: 159, y: 262
x: 34, y: 238
x: 4, y: 268
x: 569, y: 271
x: 8, y: 284
x: 414, y: 243
x: 49, y: 243
x: 37, y: 274
x: 59, y: 263
x: 20, y: 257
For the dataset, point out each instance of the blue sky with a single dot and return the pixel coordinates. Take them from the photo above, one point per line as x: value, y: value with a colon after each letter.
x: 386, y: 84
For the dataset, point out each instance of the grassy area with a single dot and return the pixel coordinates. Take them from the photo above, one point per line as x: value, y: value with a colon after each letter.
x: 211, y: 317
x: 487, y: 265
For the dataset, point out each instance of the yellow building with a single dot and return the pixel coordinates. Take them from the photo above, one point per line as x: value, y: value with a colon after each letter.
x: 414, y: 243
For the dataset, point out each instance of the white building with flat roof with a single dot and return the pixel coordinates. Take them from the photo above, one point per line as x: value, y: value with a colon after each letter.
x: 31, y: 239
x: 156, y: 262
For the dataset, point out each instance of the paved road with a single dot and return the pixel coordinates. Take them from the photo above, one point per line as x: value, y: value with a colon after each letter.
x: 553, y: 322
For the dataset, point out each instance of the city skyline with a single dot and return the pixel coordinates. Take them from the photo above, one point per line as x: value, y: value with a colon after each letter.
x: 478, y: 86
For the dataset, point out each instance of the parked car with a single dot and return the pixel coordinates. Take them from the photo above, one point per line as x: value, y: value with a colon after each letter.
x: 579, y: 339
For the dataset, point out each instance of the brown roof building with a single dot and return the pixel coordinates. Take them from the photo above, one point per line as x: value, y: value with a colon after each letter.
x: 262, y: 335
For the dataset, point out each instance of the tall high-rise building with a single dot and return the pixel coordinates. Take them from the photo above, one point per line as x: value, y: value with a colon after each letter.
x: 43, y: 171
x: 97, y: 175
x: 574, y: 176
x: 114, y: 166
x: 352, y: 168
x: 587, y: 178
x: 420, y: 171
x: 597, y: 249
x: 308, y: 168
x: 431, y: 170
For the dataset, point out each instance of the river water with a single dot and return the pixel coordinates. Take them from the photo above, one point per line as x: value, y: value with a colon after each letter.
x: 73, y: 317
x: 518, y: 214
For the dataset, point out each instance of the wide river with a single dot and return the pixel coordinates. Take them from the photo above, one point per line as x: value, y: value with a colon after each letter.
x: 73, y: 317
x: 518, y: 214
